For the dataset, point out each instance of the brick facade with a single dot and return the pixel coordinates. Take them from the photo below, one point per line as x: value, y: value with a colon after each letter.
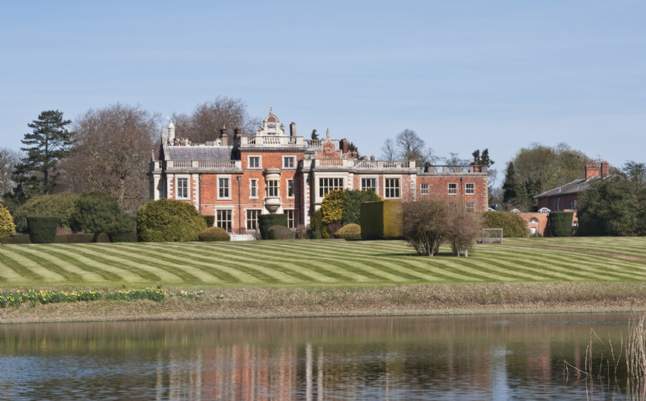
x: 252, y: 164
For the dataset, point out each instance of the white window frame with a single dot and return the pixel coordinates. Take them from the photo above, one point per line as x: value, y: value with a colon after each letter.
x: 398, y: 188
x: 259, y: 162
x: 188, y: 187
x: 424, y: 188
x: 268, y: 187
x: 252, y: 181
x: 247, y: 220
x: 293, y: 158
x: 329, y: 184
x: 291, y: 222
x: 453, y: 185
x: 229, y: 189
x: 473, y: 188
x: 374, y: 180
x: 217, y: 222
x: 290, y: 181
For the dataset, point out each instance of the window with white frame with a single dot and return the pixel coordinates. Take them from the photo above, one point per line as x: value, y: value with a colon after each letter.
x: 289, y: 162
x: 291, y: 222
x: 254, y: 161
x: 329, y: 184
x: 224, y: 190
x: 369, y: 184
x: 470, y: 188
x: 290, y: 188
x: 470, y: 206
x: 182, y: 188
x: 392, y: 189
x: 272, y: 188
x: 453, y: 188
x: 253, y: 188
x: 224, y: 219
x: 424, y: 189
x: 252, y: 219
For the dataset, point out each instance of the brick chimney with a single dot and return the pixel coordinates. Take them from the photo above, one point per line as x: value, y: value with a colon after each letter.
x: 292, y: 129
x: 595, y: 169
x: 605, y: 169
x: 224, y: 136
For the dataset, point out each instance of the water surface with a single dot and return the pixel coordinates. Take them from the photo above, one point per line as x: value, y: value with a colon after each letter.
x: 413, y: 358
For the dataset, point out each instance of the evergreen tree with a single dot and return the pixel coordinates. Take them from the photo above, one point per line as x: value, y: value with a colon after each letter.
x: 48, y: 142
x: 510, y: 187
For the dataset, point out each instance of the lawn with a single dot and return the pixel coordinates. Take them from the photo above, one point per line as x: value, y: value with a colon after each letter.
x: 318, y: 263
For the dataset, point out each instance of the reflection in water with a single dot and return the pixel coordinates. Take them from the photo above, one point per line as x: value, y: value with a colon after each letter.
x: 417, y: 358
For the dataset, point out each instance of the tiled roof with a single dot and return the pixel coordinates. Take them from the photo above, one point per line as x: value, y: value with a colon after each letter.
x: 573, y: 187
x: 198, y: 153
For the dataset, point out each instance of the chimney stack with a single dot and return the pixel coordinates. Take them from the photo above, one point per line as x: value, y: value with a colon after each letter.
x: 292, y: 129
x: 344, y: 145
x: 596, y: 169
x: 171, y: 132
x: 224, y: 136
x: 605, y: 169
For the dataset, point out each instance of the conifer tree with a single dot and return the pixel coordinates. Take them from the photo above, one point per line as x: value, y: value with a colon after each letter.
x: 48, y: 142
x: 510, y: 186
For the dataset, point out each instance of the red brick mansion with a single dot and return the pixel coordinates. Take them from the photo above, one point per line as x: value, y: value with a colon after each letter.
x: 238, y: 177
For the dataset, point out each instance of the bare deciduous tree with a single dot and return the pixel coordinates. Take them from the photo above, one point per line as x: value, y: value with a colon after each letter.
x: 425, y: 223
x: 111, y: 153
x: 388, y: 151
x: 8, y: 161
x: 462, y: 230
x: 407, y: 146
x: 208, y: 118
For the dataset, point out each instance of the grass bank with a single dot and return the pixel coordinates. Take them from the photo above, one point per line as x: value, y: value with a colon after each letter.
x: 426, y: 299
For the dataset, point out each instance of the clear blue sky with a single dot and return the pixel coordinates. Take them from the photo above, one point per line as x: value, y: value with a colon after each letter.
x: 463, y: 74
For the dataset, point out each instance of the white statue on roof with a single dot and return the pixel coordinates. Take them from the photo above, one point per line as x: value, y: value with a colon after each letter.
x: 271, y: 126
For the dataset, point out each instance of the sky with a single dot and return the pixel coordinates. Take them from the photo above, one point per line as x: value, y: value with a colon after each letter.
x: 463, y: 74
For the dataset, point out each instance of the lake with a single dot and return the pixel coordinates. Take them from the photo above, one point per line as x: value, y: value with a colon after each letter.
x: 502, y: 357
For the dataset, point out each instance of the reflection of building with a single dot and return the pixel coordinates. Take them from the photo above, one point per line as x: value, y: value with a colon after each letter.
x: 236, y: 178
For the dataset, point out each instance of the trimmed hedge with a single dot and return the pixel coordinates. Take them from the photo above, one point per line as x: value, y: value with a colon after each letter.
x: 42, y: 230
x: 512, y: 225
x: 382, y: 220
x: 214, y: 234
x: 60, y: 205
x: 349, y: 232
x: 169, y: 220
x: 280, y: 232
x: 266, y: 221
x: 560, y: 224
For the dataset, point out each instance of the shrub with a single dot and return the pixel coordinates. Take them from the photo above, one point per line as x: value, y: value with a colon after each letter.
x: 425, y: 225
x: 350, y: 231
x: 169, y: 220
x: 344, y: 207
x: 280, y: 232
x: 318, y: 230
x: 124, y: 230
x: 210, y: 221
x: 462, y: 231
x: 42, y: 230
x: 381, y: 220
x: 266, y: 221
x: 7, y: 227
x: 560, y: 224
x: 61, y: 206
x: 214, y: 234
x: 96, y: 213
x: 512, y: 225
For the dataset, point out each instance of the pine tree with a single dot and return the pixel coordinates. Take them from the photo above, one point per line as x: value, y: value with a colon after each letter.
x: 48, y: 142
x: 510, y: 187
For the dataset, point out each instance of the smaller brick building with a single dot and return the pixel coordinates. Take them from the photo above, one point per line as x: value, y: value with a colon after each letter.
x: 565, y: 197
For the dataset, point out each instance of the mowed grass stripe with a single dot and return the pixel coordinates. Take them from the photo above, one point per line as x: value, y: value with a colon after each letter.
x: 9, y: 274
x: 45, y: 272
x: 18, y: 268
x: 49, y: 263
x: 67, y: 264
x: 145, y: 275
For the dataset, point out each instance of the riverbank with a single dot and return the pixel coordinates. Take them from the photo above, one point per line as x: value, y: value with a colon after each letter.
x: 432, y: 299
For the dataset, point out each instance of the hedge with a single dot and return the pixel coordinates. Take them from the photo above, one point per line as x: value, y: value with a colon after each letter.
x: 382, y: 220
x: 266, y: 221
x: 169, y: 220
x: 42, y: 230
x: 61, y: 206
x: 512, y: 225
x: 7, y: 228
x: 280, y: 232
x: 560, y: 224
x: 214, y: 234
x: 349, y: 231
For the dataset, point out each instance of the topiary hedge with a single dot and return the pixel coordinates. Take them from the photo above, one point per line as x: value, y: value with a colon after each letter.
x: 214, y: 234
x: 513, y: 226
x: 7, y: 227
x: 42, y: 230
x: 97, y: 213
x: 169, y: 220
x: 266, y: 221
x: 349, y: 232
x: 61, y: 206
x: 381, y: 220
x: 560, y: 224
x: 280, y: 232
